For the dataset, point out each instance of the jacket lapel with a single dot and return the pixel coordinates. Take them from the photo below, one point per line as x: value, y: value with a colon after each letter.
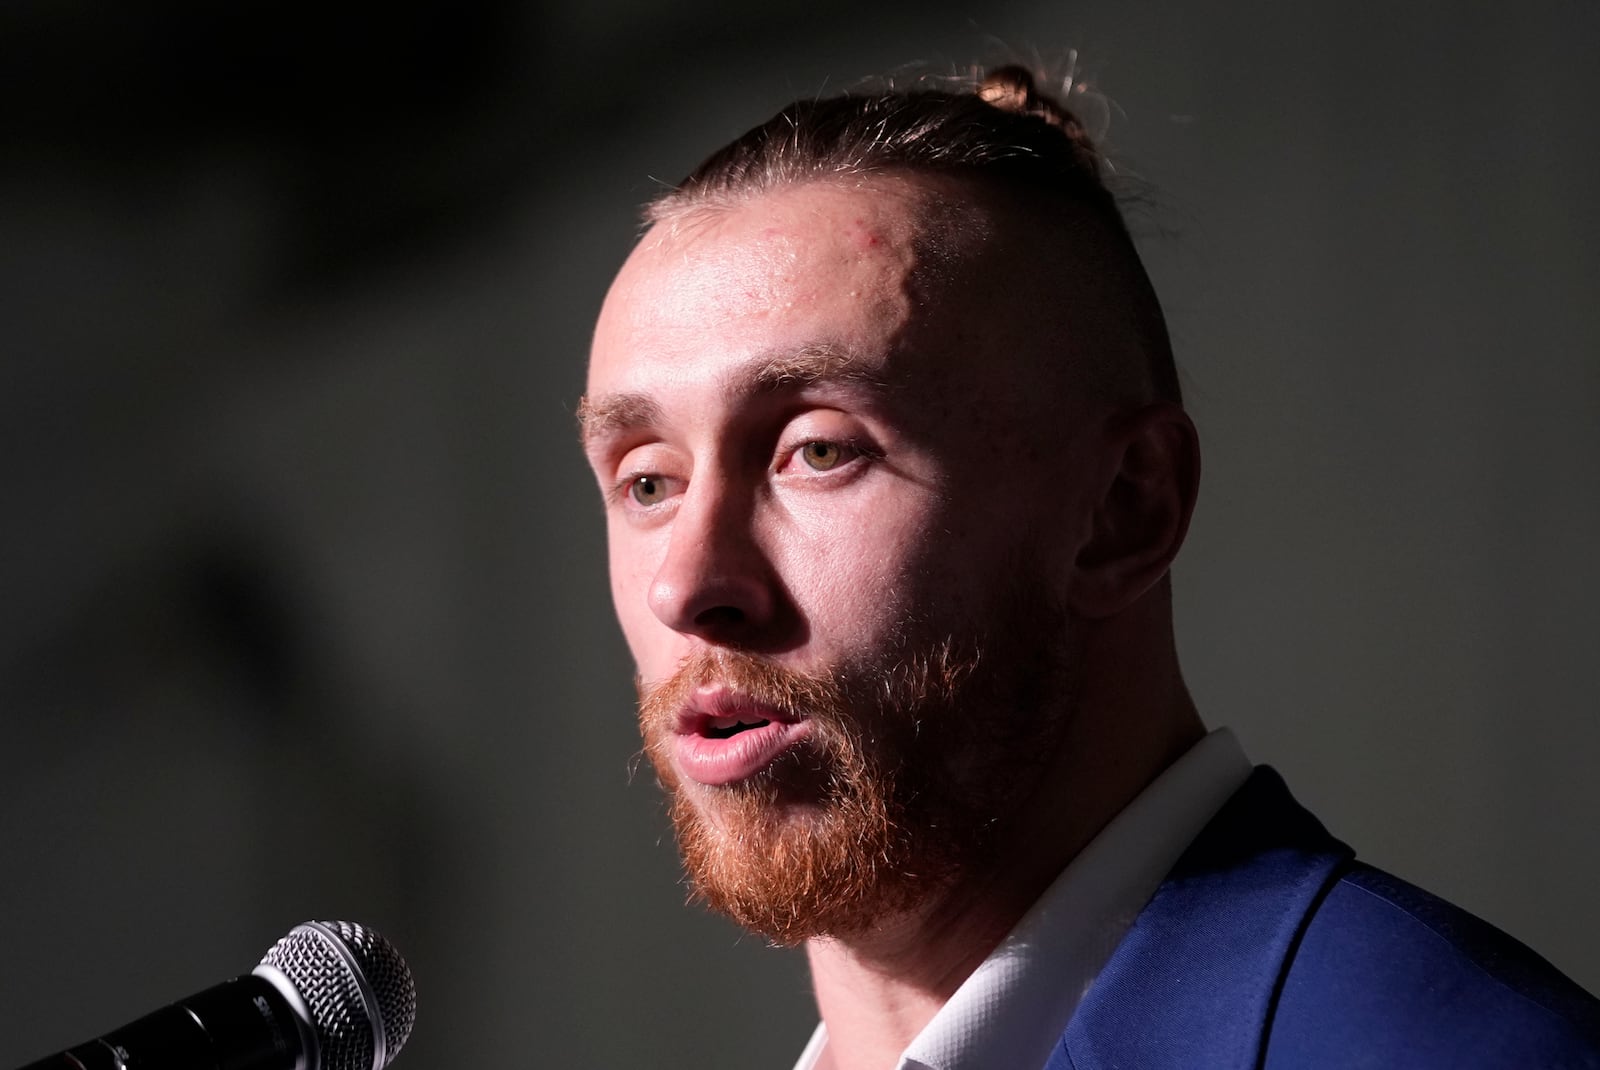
x: 1195, y: 980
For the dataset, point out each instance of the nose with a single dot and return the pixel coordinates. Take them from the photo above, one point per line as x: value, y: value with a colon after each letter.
x: 716, y: 582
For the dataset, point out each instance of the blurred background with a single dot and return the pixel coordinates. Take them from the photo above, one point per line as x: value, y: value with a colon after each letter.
x: 302, y: 598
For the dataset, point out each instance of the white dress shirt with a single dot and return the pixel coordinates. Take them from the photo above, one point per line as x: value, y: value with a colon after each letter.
x: 1014, y: 1007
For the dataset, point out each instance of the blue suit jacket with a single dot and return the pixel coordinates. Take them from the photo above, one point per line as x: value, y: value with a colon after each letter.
x: 1269, y: 946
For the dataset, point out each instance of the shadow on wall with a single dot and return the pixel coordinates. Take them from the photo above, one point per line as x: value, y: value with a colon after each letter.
x: 176, y: 777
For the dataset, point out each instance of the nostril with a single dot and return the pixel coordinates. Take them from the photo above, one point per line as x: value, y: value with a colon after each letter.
x: 720, y: 617
x: 713, y: 583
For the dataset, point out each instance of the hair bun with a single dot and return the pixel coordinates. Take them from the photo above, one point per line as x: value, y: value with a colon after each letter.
x: 1009, y: 88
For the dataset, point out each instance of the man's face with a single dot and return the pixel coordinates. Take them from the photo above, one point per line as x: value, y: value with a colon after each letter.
x: 838, y: 511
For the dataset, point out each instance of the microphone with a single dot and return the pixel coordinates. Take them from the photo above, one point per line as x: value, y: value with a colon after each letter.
x: 331, y: 995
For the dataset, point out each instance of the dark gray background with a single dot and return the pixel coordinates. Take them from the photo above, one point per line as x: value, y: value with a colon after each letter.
x: 304, y: 606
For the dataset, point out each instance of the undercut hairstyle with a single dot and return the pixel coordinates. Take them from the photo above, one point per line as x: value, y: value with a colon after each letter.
x: 1002, y: 131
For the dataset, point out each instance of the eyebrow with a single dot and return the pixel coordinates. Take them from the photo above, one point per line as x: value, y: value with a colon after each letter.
x: 820, y: 362
x: 811, y: 365
x: 614, y: 413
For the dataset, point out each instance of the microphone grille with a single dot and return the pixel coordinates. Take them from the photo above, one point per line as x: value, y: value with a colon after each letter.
x: 359, y: 990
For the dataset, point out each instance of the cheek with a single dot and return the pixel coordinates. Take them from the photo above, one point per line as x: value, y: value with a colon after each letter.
x: 632, y: 562
x: 858, y: 576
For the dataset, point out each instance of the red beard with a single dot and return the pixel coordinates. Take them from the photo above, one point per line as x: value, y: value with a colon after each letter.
x: 895, y: 791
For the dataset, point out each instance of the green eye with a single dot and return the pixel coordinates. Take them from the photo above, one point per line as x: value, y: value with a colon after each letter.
x: 647, y: 490
x: 821, y: 455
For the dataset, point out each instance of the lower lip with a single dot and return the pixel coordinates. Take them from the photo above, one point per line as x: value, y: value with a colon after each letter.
x: 714, y: 762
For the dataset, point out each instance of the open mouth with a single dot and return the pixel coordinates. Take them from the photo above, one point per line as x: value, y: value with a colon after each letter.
x: 724, y: 738
x: 728, y: 727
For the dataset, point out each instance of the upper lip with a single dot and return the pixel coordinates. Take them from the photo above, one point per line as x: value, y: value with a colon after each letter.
x: 715, y: 702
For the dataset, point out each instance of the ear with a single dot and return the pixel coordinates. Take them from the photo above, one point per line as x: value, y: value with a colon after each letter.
x: 1146, y: 495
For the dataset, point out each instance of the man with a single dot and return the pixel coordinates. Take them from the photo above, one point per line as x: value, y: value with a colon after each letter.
x: 894, y: 460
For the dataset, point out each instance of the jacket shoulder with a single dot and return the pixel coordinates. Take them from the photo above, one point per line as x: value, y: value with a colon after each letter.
x: 1385, y: 974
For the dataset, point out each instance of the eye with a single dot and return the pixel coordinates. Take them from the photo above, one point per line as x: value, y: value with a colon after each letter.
x: 648, y: 489
x: 834, y: 455
x: 822, y: 456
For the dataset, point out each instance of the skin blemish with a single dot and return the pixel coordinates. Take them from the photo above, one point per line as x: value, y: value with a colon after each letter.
x: 862, y: 236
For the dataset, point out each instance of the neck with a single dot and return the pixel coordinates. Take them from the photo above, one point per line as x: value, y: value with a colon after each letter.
x: 878, y: 989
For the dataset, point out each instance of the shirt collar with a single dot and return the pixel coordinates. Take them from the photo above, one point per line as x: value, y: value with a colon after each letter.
x: 1014, y: 1007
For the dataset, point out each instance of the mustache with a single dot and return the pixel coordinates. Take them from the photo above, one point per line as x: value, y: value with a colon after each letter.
x: 816, y: 697
x: 916, y: 693
x: 796, y: 694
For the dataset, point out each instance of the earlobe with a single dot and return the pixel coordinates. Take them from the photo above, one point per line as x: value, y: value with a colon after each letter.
x: 1146, y: 496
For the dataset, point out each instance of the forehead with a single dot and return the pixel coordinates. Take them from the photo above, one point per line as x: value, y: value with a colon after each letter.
x: 821, y: 264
